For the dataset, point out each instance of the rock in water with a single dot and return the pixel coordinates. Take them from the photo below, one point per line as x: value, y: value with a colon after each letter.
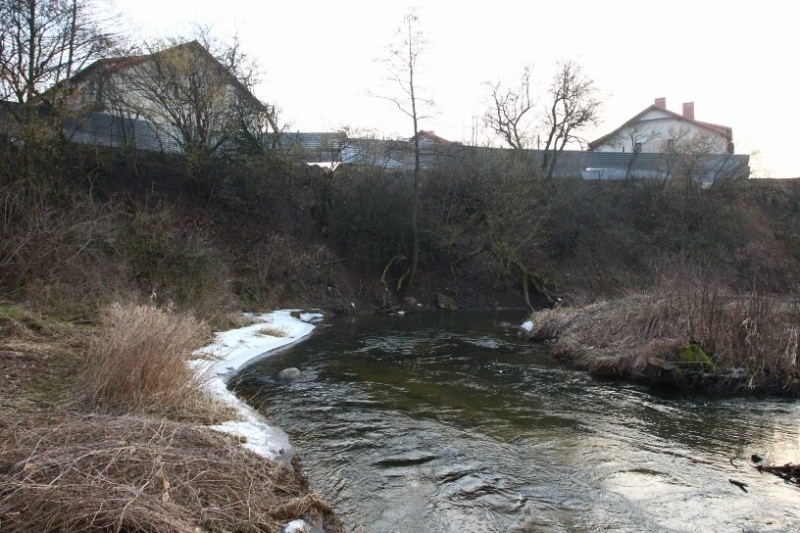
x: 295, y: 526
x: 445, y: 302
x: 290, y: 374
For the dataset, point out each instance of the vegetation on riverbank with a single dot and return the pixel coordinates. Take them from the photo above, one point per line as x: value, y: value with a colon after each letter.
x: 109, y: 232
x: 100, y: 431
x: 130, y: 473
x: 688, y: 333
x: 158, y: 378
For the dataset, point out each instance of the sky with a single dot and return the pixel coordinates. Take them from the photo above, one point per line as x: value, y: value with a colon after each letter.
x: 322, y: 65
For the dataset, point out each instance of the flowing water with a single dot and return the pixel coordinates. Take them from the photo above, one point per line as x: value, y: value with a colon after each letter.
x: 450, y: 422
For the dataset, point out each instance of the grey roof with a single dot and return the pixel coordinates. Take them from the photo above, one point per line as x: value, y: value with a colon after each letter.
x: 314, y: 146
x: 390, y: 154
x: 706, y: 168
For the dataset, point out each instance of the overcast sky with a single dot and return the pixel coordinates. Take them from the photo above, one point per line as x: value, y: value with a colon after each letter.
x: 320, y: 59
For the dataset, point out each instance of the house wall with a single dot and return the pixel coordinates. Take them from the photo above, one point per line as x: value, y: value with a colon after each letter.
x: 660, y: 133
x: 128, y: 94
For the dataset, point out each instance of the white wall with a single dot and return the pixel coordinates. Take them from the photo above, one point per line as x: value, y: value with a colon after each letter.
x: 657, y: 130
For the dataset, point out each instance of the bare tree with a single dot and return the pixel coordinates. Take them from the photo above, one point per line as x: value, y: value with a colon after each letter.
x: 634, y: 137
x: 510, y: 112
x: 518, y: 118
x: 402, y: 63
x: 42, y: 42
x: 573, y: 105
x: 569, y: 105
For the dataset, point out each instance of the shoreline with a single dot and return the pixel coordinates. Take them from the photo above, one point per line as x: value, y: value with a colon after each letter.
x: 701, y: 340
x: 235, y: 349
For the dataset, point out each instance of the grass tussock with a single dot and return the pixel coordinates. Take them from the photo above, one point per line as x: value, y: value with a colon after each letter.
x: 687, y: 333
x: 138, y: 363
x: 137, y: 474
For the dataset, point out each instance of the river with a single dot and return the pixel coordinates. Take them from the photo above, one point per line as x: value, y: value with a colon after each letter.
x: 450, y: 422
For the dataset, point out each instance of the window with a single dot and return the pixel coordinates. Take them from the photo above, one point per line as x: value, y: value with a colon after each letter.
x: 637, y: 148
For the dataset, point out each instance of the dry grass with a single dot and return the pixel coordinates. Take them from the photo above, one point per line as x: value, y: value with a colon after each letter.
x: 39, y: 361
x: 138, y: 363
x: 137, y: 474
x: 270, y: 331
x: 62, y: 471
x: 751, y: 340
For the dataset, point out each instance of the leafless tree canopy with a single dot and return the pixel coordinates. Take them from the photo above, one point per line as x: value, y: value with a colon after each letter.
x: 573, y: 105
x: 43, y: 42
x: 509, y: 114
x: 569, y: 104
x: 402, y: 64
x: 196, y: 99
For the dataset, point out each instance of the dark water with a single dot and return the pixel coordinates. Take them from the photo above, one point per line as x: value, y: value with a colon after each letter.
x: 452, y: 423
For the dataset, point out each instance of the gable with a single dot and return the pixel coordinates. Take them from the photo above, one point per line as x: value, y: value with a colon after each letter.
x: 655, y: 114
x: 104, y: 69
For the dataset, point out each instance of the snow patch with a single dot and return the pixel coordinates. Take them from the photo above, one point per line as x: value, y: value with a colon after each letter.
x: 233, y: 350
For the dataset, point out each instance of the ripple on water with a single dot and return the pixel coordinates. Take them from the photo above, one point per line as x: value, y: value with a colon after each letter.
x: 439, y: 427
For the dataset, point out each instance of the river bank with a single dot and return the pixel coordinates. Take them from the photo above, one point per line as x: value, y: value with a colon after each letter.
x: 698, y: 336
x: 64, y: 465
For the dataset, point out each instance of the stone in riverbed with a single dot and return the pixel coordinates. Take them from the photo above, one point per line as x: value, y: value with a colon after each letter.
x: 290, y: 374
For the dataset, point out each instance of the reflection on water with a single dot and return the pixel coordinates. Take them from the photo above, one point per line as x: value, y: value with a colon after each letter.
x: 451, y: 423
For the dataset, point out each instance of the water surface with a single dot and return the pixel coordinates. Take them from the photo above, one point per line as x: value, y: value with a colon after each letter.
x: 450, y: 422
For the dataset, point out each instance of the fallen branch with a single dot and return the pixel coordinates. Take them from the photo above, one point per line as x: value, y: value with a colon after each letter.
x: 789, y: 472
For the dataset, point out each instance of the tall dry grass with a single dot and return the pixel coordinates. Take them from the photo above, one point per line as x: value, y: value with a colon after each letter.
x: 752, y: 340
x: 138, y: 362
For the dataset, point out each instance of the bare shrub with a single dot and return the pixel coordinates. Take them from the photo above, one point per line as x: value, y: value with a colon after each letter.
x: 57, y: 254
x: 135, y: 474
x: 138, y: 362
x: 175, y: 263
x: 285, y: 271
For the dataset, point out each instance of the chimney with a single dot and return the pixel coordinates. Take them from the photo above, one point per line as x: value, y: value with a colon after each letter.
x: 661, y: 102
x: 688, y: 110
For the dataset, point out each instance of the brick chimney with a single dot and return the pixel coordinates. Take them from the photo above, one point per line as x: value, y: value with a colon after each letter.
x: 661, y: 102
x: 688, y: 110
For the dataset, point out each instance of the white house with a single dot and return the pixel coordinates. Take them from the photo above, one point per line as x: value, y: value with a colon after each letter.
x: 186, y: 96
x: 659, y: 130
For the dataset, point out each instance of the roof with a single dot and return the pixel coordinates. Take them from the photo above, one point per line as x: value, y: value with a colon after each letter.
x: 108, y: 66
x: 725, y: 131
x: 430, y: 136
